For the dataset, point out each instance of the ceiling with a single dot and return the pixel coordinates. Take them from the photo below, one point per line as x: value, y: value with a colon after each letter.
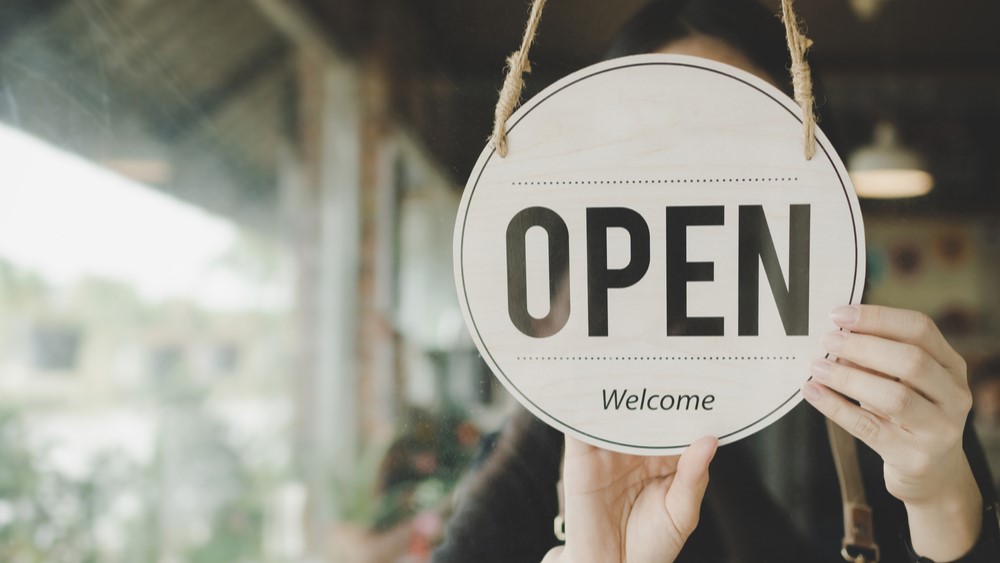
x: 470, y: 36
x: 476, y: 35
x: 210, y: 86
x: 199, y: 87
x: 933, y: 67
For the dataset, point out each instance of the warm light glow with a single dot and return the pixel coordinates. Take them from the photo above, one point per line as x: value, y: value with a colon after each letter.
x: 892, y: 183
x: 888, y: 169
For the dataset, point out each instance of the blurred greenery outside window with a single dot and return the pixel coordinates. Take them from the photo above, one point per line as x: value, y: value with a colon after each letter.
x: 144, y: 342
x: 146, y: 314
x: 175, y: 288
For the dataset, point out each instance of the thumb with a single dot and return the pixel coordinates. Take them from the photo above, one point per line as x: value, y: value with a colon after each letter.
x: 683, y: 499
x: 555, y: 555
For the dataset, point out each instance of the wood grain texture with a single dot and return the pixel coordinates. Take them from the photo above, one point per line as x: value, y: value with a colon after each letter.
x: 647, y: 133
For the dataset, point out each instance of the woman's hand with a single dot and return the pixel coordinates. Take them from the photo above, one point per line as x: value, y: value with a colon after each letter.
x: 630, y: 509
x: 914, y: 400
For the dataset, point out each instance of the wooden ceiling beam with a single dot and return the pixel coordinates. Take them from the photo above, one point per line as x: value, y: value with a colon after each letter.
x: 19, y: 15
x: 179, y: 122
x: 294, y: 20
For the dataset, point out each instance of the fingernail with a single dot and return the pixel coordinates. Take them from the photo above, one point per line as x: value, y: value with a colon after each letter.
x: 715, y: 450
x: 834, y: 341
x: 812, y: 392
x: 844, y: 316
x: 820, y: 369
x: 713, y: 446
x: 704, y: 448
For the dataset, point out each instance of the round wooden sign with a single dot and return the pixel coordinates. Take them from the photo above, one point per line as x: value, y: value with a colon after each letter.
x: 655, y: 260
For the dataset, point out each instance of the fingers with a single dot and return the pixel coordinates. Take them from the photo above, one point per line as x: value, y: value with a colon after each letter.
x: 576, y: 448
x: 912, y: 387
x: 683, y: 499
x: 903, y: 361
x: 910, y: 327
x: 891, y: 399
x: 864, y: 425
x: 554, y: 555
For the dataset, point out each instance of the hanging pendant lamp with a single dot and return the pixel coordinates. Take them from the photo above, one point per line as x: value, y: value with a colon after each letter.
x: 886, y: 169
x: 867, y: 10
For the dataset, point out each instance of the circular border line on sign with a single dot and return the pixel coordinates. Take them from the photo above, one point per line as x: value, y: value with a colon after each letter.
x: 576, y: 78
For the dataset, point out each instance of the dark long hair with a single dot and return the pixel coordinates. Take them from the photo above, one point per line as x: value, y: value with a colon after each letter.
x: 745, y: 25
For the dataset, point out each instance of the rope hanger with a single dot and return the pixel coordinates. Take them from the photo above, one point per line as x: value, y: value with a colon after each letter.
x: 513, y: 83
x: 518, y: 65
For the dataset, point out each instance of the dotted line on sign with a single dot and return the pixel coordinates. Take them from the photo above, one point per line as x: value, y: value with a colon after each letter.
x: 671, y: 181
x: 656, y: 358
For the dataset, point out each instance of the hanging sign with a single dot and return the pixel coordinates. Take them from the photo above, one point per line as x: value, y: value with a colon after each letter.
x: 655, y: 260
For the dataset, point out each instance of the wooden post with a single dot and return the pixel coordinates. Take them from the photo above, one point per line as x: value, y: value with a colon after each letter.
x: 328, y: 208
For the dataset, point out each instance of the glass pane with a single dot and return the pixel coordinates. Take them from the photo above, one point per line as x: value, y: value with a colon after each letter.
x: 229, y: 323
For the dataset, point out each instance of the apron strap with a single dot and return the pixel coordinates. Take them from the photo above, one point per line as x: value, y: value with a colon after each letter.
x: 858, y: 545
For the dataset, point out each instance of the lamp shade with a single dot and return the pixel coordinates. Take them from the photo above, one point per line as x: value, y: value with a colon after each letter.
x: 887, y: 169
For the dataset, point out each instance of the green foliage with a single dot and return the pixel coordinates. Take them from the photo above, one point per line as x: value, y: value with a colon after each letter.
x: 49, y: 517
x: 354, y: 495
x: 46, y: 516
x: 416, y: 472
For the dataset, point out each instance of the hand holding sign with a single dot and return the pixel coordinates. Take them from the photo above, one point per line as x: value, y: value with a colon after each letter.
x: 651, y: 503
x: 915, y: 399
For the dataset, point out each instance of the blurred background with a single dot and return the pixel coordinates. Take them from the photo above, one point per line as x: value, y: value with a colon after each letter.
x: 228, y: 326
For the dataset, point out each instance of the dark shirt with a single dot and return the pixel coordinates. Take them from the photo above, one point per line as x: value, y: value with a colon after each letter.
x: 506, y: 512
